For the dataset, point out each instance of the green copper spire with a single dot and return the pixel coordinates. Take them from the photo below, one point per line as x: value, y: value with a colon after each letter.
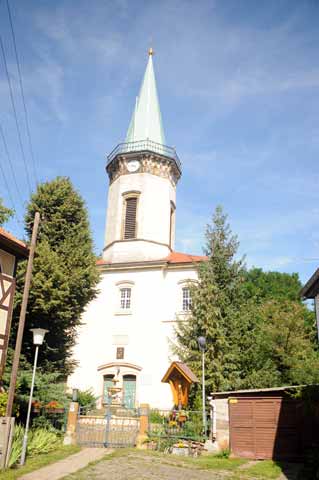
x: 146, y: 121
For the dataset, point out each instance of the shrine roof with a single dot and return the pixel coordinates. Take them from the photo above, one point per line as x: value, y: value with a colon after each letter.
x: 183, y: 369
x: 13, y: 245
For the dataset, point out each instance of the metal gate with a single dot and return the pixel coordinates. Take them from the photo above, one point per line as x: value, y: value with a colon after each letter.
x: 117, y: 428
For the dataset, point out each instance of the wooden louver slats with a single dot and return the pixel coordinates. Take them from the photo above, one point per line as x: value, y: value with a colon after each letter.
x: 130, y: 218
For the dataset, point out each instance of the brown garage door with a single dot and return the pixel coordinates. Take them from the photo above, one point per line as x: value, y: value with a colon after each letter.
x: 265, y: 427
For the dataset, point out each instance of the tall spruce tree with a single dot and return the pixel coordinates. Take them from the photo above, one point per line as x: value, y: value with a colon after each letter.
x: 217, y: 300
x: 258, y: 332
x: 64, y: 272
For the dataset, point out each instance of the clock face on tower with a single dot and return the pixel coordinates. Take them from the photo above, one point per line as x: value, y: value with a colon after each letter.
x: 133, y: 165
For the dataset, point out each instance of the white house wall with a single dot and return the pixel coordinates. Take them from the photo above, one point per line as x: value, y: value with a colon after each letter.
x: 156, y: 300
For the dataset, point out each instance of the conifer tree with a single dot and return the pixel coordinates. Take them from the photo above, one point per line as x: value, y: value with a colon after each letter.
x: 64, y: 272
x: 215, y: 311
x: 258, y: 332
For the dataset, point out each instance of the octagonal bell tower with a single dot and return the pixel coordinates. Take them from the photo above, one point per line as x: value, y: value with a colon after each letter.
x: 143, y: 174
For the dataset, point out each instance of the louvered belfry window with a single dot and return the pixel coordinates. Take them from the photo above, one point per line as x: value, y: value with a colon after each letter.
x: 130, y: 218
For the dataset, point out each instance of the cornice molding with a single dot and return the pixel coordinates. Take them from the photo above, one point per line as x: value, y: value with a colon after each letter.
x: 137, y: 240
x: 152, y: 163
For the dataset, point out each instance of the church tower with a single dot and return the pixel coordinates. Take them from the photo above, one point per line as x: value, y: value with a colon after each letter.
x: 143, y: 173
x: 144, y: 284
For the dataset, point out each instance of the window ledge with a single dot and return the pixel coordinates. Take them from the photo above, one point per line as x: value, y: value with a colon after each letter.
x: 123, y: 312
x: 183, y: 313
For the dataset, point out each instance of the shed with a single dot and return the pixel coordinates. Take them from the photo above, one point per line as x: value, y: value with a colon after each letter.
x: 266, y: 423
x: 180, y: 377
x: 11, y: 250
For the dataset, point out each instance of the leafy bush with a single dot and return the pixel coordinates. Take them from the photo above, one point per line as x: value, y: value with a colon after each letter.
x: 3, y: 405
x: 16, y: 445
x: 223, y: 453
x: 156, y: 417
x: 44, y: 422
x: 86, y: 398
x: 40, y: 440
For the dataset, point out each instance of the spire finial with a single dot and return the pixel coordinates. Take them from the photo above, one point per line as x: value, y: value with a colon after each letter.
x: 150, y: 51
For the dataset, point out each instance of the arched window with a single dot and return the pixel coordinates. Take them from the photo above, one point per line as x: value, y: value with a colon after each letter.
x: 185, y: 295
x: 124, y: 304
x: 130, y: 215
x: 125, y: 300
x: 186, y: 299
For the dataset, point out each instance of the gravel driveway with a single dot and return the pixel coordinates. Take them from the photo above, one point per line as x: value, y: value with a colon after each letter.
x: 139, y: 466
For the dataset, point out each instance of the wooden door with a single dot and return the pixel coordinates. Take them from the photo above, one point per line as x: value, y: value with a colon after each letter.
x: 129, y: 386
x: 264, y: 428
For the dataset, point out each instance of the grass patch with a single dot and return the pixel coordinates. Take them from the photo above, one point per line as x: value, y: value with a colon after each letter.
x: 39, y: 461
x: 211, y: 462
x: 205, y: 462
x: 265, y: 469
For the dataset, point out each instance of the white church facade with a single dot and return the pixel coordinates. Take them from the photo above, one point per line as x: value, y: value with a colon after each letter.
x: 144, y: 285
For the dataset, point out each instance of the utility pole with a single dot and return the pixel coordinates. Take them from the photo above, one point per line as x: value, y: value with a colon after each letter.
x: 17, y: 351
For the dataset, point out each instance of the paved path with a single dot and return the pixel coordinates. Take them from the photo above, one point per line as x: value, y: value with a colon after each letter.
x: 68, y: 465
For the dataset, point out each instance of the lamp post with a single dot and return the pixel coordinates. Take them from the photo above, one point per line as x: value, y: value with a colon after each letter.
x: 38, y: 337
x: 202, y: 345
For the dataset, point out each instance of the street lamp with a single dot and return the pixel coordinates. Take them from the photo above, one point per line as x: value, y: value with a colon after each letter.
x: 38, y: 337
x: 202, y: 345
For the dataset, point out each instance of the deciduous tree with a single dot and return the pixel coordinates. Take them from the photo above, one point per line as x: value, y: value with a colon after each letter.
x: 5, y: 213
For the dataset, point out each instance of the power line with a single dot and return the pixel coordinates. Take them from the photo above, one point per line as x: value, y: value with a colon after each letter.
x: 15, y: 114
x: 22, y: 92
x: 10, y: 162
x: 7, y: 187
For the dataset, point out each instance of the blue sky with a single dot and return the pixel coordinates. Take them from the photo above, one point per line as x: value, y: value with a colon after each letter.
x: 238, y: 83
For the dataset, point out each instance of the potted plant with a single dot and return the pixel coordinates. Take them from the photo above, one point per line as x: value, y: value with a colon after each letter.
x: 54, y: 407
x: 182, y: 416
x: 36, y: 406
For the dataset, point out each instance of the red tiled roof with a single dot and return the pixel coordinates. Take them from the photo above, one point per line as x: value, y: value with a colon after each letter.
x: 100, y: 261
x: 8, y: 241
x: 173, y: 257
x: 178, y: 257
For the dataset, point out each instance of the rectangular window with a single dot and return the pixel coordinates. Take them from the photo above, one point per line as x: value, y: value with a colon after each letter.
x: 125, y: 298
x: 130, y: 218
x: 187, y: 299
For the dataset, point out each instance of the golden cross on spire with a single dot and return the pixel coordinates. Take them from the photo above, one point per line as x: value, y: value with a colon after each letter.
x: 150, y: 51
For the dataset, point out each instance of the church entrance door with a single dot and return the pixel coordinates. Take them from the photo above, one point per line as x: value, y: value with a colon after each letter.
x: 129, y: 388
x: 107, y: 383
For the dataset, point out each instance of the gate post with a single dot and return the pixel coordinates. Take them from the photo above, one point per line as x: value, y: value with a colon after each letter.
x: 142, y: 436
x: 70, y: 438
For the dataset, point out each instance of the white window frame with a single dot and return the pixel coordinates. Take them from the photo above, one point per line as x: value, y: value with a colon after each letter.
x: 126, y: 307
x: 125, y: 298
x: 186, y: 283
x: 186, y: 300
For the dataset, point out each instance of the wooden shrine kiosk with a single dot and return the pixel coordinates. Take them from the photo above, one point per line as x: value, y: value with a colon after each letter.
x: 11, y: 250
x: 180, y: 377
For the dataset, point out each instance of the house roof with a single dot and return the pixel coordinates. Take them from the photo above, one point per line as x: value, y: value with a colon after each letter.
x: 311, y: 288
x: 183, y: 369
x: 255, y: 390
x: 173, y: 258
x: 12, y: 244
x: 178, y: 257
